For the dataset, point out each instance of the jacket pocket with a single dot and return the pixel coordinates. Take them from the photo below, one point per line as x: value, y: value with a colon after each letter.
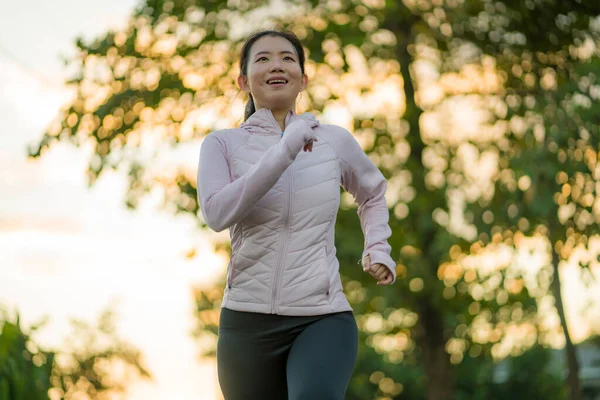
x: 324, y: 272
x: 233, y: 263
x: 231, y: 273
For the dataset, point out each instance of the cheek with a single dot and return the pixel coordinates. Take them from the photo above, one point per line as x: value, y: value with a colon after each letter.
x: 297, y: 74
x: 255, y: 75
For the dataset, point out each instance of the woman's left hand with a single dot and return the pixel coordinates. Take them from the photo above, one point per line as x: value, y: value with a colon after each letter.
x: 378, y: 271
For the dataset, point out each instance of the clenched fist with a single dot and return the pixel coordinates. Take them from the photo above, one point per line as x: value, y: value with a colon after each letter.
x: 300, y: 135
x: 378, y: 271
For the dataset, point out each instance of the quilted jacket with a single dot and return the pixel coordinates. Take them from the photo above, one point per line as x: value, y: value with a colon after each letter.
x: 281, y: 209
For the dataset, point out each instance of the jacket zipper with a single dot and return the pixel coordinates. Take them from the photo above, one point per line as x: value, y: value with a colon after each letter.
x: 277, y: 273
x: 287, y: 176
x: 275, y: 123
x: 285, y: 233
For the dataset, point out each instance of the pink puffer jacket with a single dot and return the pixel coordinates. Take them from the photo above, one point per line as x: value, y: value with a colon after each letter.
x: 280, y: 205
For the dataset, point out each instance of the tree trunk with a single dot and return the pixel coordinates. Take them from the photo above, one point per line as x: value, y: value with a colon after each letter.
x: 439, y: 383
x: 430, y: 330
x: 572, y: 362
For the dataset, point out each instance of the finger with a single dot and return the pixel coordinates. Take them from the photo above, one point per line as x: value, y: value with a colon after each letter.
x: 378, y: 275
x: 379, y: 270
x: 308, y: 146
x: 372, y: 271
x: 382, y: 273
x: 367, y: 264
x: 387, y: 280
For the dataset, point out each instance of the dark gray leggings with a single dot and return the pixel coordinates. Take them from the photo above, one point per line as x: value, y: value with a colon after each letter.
x: 276, y: 357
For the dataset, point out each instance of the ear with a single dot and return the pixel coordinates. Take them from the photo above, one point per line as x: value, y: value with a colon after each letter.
x: 304, y: 82
x: 243, y: 83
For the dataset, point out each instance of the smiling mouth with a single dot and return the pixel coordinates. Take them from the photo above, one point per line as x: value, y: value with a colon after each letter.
x: 277, y: 82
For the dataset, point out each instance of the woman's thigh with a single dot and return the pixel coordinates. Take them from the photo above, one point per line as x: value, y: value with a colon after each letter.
x: 251, y: 358
x: 322, y: 359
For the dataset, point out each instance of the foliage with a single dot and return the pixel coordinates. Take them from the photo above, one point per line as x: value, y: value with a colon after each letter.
x: 24, y: 369
x: 404, y: 73
x: 530, y: 378
x: 547, y: 181
x: 94, y: 364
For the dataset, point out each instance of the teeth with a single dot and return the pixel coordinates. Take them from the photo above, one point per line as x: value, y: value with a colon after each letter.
x: 277, y: 81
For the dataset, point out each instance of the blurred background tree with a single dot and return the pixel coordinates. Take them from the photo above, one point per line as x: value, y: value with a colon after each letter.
x: 94, y: 363
x: 25, y: 371
x: 444, y: 95
x: 546, y: 184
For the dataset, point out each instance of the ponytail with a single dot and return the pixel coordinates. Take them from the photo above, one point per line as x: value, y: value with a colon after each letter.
x: 250, y: 109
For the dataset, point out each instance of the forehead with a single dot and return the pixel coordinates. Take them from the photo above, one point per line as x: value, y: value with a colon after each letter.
x: 272, y: 44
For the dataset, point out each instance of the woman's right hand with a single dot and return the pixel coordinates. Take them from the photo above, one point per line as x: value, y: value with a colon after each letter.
x: 299, y: 135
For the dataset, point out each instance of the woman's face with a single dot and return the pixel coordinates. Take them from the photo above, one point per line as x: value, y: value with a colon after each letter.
x: 274, y: 77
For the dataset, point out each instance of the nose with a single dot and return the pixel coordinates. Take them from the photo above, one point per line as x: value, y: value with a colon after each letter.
x: 276, y: 66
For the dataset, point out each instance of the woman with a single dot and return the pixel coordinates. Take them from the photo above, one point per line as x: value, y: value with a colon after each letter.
x: 286, y: 329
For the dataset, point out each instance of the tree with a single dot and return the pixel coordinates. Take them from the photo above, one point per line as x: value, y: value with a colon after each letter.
x: 85, y: 369
x: 171, y: 75
x: 530, y: 377
x: 546, y: 183
x: 24, y: 371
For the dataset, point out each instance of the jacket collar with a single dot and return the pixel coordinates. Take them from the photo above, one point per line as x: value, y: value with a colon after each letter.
x: 262, y: 122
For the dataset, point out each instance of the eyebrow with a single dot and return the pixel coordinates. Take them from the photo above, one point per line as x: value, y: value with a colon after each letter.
x: 268, y: 52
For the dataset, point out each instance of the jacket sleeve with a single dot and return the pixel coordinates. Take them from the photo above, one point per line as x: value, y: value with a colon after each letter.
x: 224, y: 201
x: 363, y: 180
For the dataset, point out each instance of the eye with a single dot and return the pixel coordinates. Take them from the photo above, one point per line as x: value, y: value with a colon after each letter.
x: 263, y: 58
x: 289, y: 58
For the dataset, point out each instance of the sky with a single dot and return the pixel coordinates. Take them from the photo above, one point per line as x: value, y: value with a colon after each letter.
x: 67, y: 251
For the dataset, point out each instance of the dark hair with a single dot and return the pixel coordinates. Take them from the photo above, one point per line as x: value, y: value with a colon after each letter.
x: 289, y: 36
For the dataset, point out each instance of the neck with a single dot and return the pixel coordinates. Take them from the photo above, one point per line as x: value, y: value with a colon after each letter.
x: 280, y: 117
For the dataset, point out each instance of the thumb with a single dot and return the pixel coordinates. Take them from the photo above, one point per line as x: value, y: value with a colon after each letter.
x: 367, y: 263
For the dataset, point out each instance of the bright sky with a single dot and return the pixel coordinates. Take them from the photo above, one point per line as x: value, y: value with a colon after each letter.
x: 70, y: 252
